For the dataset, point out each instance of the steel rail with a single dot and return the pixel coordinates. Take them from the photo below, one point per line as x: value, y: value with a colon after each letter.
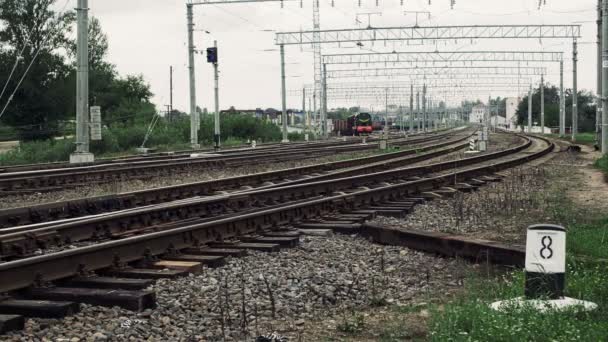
x: 25, y: 240
x: 98, y: 204
x: 31, y: 271
x: 53, y: 179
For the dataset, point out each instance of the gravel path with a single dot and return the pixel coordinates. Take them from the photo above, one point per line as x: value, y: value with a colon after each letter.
x: 323, y: 277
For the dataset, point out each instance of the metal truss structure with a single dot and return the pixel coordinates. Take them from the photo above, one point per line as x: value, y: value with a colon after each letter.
x: 443, y: 57
x: 421, y: 71
x: 429, y: 33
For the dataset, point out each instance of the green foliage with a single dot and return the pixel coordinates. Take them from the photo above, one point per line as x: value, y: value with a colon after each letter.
x: 45, y: 99
x: 352, y: 325
x: 586, y: 108
x: 471, y: 318
x: 39, y: 151
x: 602, y: 164
x: 236, y: 129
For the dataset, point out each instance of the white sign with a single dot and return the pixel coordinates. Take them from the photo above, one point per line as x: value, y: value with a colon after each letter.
x: 253, y: 144
x: 95, y: 123
x: 546, y: 249
x: 605, y: 64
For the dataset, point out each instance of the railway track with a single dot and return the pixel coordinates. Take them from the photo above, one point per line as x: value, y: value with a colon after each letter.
x: 100, y: 204
x: 265, y: 219
x: 55, y: 179
x: 241, y: 214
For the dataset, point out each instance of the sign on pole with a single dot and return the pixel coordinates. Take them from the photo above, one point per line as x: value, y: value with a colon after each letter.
x: 95, y: 123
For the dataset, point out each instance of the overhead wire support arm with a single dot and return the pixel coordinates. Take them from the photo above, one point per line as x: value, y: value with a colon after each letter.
x: 429, y: 33
x: 444, y: 56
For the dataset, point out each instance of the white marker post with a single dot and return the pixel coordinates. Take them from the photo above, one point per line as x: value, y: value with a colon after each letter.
x: 545, y: 273
x: 545, y: 261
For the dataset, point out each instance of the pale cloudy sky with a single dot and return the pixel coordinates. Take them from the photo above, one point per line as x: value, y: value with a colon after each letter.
x: 147, y: 36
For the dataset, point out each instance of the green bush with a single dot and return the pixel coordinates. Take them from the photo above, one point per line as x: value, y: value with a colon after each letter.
x: 119, y: 138
x: 602, y: 164
x: 39, y: 151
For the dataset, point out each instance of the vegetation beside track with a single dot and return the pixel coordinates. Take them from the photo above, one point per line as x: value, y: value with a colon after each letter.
x: 236, y: 130
x: 602, y: 164
x: 586, y: 138
x: 464, y: 315
x: 469, y: 317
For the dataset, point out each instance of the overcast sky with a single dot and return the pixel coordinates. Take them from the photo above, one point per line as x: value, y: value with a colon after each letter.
x: 147, y: 36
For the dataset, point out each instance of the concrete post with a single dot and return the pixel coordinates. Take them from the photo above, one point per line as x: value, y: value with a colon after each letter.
x: 324, y: 103
x: 424, y: 108
x: 562, y: 101
x: 412, y: 108
x: 283, y: 96
x: 574, y: 91
x: 530, y: 110
x: 604, y: 128
x: 194, y: 119
x: 599, y: 111
x: 542, y: 104
x: 418, y: 111
x: 82, y: 154
x: 216, y: 129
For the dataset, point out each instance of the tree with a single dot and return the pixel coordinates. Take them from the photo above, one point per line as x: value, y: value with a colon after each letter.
x: 586, y: 108
x: 32, y: 33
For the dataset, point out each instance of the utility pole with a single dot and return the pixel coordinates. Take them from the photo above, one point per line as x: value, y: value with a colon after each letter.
x: 604, y: 129
x: 314, y: 108
x: 216, y: 120
x: 530, y: 110
x: 171, y: 89
x: 562, y: 101
x: 599, y: 130
x: 283, y: 96
x: 574, y: 91
x: 412, y: 108
x: 386, y: 111
x: 324, y: 103
x: 424, y: 108
x: 82, y: 154
x: 542, y: 104
x: 194, y: 119
x: 304, y: 114
x: 418, y: 111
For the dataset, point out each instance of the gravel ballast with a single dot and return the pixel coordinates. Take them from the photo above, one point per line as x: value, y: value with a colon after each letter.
x: 323, y: 277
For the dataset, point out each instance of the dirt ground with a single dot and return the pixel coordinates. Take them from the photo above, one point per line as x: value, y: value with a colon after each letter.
x: 592, y: 191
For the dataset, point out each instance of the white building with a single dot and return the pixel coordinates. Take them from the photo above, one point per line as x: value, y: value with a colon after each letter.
x: 511, y: 103
x: 477, y: 114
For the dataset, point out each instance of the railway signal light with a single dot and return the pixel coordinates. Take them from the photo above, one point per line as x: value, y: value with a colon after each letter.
x: 212, y: 55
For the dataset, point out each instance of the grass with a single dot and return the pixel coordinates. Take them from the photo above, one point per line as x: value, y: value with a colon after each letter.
x: 602, y: 164
x: 469, y: 318
x: 581, y: 138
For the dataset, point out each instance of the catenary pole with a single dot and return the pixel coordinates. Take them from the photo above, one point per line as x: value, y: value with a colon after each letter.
x: 562, y: 101
x: 82, y: 154
x: 283, y: 96
x: 424, y: 108
x: 216, y: 129
x: 542, y: 104
x: 412, y: 108
x: 418, y: 111
x: 324, y: 103
x: 194, y: 119
x: 530, y: 110
x: 605, y: 78
x: 574, y: 91
x: 599, y: 111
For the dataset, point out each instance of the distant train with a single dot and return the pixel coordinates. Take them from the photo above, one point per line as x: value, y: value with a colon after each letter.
x: 359, y: 124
